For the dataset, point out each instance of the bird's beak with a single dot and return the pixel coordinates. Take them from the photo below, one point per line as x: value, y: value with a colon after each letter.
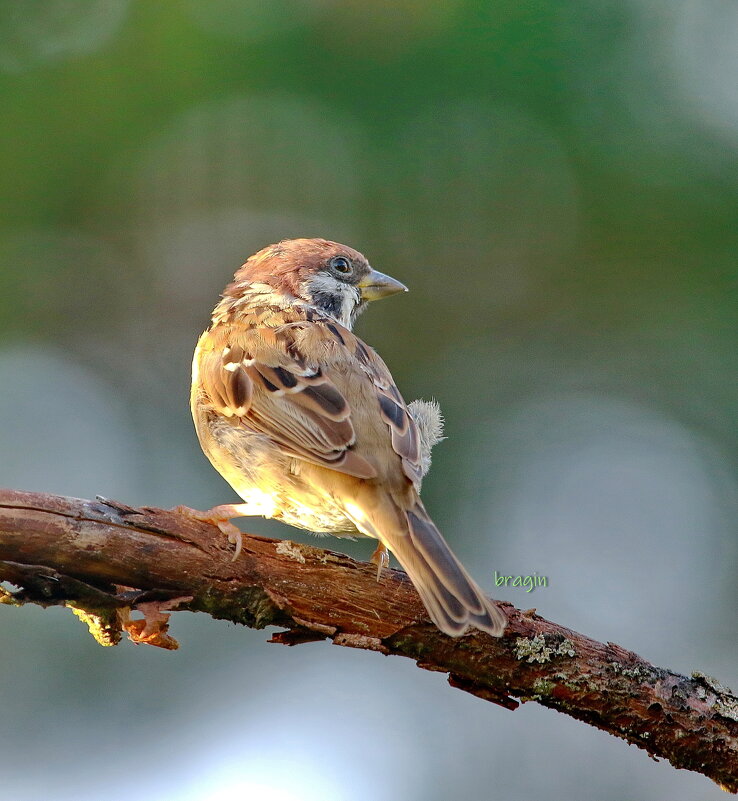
x: 377, y: 285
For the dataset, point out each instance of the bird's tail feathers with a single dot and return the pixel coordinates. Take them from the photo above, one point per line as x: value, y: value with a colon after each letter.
x: 453, y: 599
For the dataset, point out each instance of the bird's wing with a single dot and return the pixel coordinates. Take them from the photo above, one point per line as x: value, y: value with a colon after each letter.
x: 393, y: 410
x: 281, y: 382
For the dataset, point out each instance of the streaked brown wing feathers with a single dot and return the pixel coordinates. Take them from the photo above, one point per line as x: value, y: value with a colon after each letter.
x: 393, y: 410
x: 248, y: 374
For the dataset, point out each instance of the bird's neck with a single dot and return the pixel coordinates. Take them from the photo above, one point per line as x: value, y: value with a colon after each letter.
x: 260, y: 305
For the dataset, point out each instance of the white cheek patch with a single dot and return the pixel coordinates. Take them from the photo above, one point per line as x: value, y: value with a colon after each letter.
x: 322, y: 283
x: 345, y: 296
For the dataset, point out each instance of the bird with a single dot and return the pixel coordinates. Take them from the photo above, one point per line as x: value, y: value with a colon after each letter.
x: 304, y: 420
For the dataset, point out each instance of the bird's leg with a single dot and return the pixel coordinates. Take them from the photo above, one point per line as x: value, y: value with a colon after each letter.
x: 220, y: 516
x: 380, y: 558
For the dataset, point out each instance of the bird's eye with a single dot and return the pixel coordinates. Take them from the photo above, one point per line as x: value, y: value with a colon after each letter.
x: 341, y: 264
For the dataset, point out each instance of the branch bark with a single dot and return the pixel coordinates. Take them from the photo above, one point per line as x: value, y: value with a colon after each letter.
x: 103, y: 559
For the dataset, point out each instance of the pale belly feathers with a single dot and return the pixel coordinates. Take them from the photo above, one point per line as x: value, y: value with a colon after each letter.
x: 270, y: 482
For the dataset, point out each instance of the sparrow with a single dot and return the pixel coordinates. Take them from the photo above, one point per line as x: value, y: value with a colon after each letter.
x: 305, y: 422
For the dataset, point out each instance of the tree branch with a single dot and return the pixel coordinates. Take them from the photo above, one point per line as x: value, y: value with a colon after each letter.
x: 104, y: 558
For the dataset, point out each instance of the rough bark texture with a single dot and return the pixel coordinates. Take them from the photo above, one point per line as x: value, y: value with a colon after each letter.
x: 103, y: 558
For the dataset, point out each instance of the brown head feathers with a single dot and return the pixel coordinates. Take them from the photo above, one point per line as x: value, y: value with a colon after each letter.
x: 287, y: 265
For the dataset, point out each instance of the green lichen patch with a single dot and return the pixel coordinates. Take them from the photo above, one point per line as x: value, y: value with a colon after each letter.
x: 542, y: 688
x: 250, y: 606
x: 726, y: 703
x: 711, y: 682
x: 536, y: 649
x: 639, y: 672
x: 727, y: 707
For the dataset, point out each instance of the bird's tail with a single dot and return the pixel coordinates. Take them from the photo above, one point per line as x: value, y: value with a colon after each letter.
x: 449, y: 593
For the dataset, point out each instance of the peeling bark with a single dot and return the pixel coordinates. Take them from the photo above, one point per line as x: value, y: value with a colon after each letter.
x: 104, y: 559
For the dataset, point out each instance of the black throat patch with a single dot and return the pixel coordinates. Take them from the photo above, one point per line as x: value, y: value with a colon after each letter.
x: 329, y: 304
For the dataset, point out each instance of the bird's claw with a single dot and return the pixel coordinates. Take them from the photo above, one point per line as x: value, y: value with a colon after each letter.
x: 380, y: 558
x: 217, y: 516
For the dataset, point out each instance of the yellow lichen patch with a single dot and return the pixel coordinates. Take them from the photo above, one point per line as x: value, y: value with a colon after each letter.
x: 106, y: 628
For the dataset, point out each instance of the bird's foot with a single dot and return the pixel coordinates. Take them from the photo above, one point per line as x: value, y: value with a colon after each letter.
x: 380, y: 558
x: 219, y: 516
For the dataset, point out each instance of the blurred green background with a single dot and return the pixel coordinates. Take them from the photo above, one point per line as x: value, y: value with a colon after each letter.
x: 557, y: 183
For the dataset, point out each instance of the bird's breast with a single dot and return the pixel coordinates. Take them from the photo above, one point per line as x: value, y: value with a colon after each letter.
x: 273, y: 484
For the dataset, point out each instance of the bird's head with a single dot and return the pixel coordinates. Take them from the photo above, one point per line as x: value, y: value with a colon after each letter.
x: 332, y: 278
